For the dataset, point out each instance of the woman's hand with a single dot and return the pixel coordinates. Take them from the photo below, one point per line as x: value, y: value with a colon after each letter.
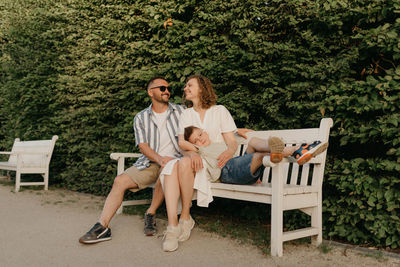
x: 224, y: 157
x: 243, y: 132
x: 197, y: 162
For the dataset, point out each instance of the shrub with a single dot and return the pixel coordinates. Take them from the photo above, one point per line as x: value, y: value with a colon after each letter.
x: 78, y: 69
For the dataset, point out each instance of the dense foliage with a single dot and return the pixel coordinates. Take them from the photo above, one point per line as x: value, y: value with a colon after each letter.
x: 78, y: 68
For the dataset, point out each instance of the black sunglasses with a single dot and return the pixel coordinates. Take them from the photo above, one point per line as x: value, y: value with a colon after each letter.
x: 163, y: 88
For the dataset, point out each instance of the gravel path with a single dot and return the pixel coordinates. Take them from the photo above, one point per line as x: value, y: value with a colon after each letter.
x: 42, y: 228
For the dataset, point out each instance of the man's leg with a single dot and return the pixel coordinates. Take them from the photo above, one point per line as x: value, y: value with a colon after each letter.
x: 114, y: 199
x: 130, y: 179
x: 158, y: 198
x: 150, y: 214
x: 100, y: 231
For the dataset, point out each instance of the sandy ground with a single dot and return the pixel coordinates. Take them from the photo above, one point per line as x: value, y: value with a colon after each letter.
x: 42, y: 228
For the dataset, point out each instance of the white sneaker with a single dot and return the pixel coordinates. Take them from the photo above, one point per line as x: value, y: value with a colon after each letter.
x: 186, y: 228
x: 170, y: 239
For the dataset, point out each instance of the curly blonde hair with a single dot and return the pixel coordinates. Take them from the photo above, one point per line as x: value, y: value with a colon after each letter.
x: 208, y: 97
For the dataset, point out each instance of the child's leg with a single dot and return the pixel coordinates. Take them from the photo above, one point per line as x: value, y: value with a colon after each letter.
x: 257, y: 144
x: 261, y: 145
x: 273, y: 145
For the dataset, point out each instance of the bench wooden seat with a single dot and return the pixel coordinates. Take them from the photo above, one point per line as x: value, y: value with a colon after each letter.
x: 286, y: 185
x: 29, y: 157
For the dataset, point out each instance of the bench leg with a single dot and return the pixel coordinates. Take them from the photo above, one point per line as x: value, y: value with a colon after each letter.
x: 316, y: 221
x: 46, y: 180
x: 277, y: 211
x: 17, y: 181
x: 276, y: 233
x: 119, y: 210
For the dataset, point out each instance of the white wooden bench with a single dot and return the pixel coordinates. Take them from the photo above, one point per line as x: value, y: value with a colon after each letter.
x: 30, y: 157
x: 286, y: 186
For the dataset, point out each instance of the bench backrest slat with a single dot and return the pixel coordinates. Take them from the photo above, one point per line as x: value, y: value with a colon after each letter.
x: 295, y: 174
x: 305, y: 174
x: 37, y: 146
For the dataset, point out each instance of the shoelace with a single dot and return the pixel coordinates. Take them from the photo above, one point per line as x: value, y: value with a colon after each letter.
x: 149, y: 220
x: 166, y: 232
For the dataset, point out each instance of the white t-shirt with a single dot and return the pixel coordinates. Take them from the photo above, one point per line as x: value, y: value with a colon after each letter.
x: 217, y: 120
x: 166, y: 147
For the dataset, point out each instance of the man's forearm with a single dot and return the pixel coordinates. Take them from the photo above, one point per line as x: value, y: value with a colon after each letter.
x: 146, y: 150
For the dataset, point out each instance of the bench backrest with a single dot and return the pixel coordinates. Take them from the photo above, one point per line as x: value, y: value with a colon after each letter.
x: 309, y: 174
x: 38, y: 146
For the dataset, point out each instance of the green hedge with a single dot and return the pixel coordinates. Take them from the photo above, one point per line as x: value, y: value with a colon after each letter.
x: 78, y: 68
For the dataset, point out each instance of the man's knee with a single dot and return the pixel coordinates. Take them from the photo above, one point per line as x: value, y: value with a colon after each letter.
x: 123, y: 182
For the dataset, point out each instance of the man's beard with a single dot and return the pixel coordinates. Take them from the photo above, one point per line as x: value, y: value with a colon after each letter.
x: 163, y: 99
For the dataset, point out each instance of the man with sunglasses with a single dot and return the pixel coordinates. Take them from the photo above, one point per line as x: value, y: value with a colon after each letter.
x: 156, y: 133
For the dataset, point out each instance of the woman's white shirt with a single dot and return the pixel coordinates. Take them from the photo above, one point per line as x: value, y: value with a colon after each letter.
x: 217, y: 120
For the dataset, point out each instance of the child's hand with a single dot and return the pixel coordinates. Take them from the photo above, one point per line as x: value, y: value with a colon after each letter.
x: 224, y: 157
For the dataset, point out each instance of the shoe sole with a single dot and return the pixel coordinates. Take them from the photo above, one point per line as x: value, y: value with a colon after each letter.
x: 94, y: 241
x: 277, y: 146
x: 150, y: 234
x: 182, y: 239
x: 171, y: 250
x: 312, y: 153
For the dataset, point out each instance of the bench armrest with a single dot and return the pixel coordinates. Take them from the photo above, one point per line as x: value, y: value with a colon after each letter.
x: 120, y: 157
x: 117, y: 156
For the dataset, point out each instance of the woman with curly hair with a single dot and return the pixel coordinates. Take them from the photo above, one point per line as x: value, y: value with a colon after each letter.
x: 216, y: 120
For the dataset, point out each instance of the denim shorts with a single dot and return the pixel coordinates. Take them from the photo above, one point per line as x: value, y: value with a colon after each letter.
x: 237, y: 171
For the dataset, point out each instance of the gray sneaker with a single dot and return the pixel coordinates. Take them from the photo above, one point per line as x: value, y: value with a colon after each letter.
x: 97, y: 234
x: 149, y: 224
x: 186, y: 228
x: 170, y: 239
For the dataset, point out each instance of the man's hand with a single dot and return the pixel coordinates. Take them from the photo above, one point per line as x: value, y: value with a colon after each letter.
x: 243, y: 131
x: 164, y: 160
x: 224, y: 157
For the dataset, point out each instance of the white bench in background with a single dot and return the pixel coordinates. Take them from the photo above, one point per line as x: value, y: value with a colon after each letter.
x: 30, y: 157
x: 286, y: 185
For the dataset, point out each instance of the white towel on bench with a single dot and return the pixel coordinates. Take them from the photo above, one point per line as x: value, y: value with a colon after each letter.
x: 203, y: 186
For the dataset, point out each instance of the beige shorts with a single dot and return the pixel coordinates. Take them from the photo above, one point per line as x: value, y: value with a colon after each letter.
x: 146, y: 177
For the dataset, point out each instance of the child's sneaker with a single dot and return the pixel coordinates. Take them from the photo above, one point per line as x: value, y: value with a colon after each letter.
x: 276, y: 145
x: 306, y: 152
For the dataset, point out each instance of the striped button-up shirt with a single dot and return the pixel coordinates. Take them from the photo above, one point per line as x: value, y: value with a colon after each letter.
x: 146, y: 131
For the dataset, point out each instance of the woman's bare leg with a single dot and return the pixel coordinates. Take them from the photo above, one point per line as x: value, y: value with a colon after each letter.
x: 186, y: 182
x: 172, y: 193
